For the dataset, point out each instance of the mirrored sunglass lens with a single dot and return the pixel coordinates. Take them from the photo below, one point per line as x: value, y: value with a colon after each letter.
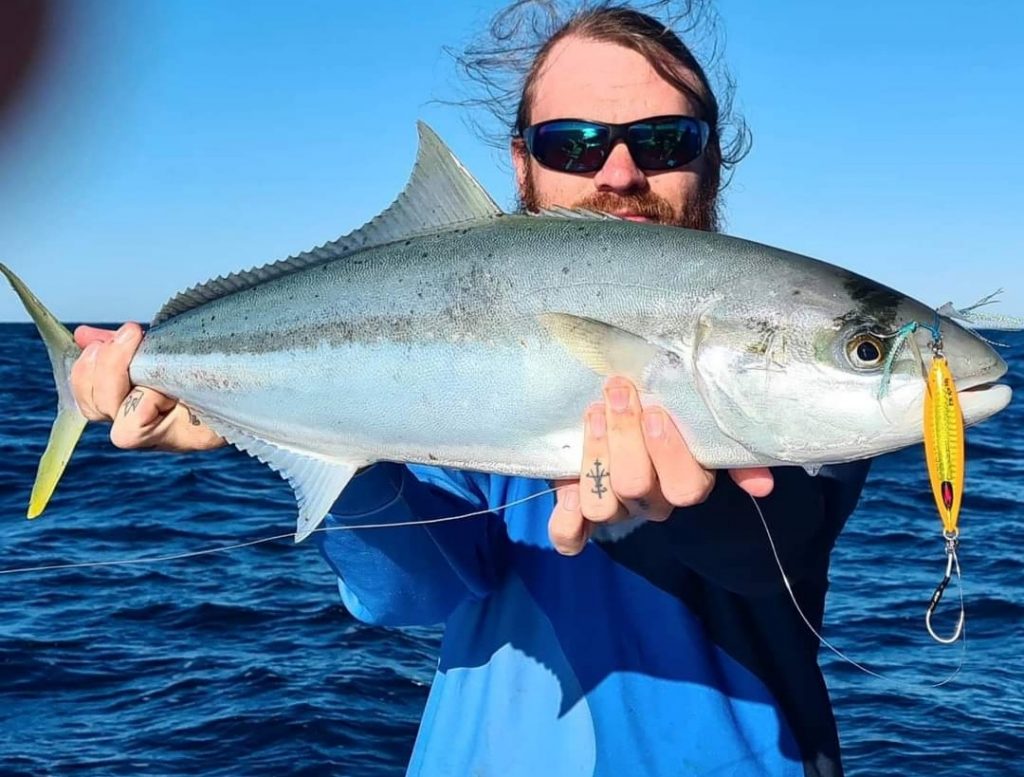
x: 570, y: 146
x: 665, y: 145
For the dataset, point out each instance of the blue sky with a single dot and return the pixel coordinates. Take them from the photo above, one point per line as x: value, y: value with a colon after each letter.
x: 190, y: 139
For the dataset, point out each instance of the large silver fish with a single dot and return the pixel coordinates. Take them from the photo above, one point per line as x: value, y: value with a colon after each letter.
x: 447, y: 332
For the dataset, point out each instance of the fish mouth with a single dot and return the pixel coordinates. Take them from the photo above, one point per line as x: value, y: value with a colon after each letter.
x: 978, y: 387
x: 981, y: 396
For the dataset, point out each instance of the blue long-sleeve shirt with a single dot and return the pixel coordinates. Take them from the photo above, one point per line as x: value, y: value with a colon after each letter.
x: 673, y: 651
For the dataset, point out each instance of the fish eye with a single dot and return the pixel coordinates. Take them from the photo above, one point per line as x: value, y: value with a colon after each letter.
x: 865, y: 351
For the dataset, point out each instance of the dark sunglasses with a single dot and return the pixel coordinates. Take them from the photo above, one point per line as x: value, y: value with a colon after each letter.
x: 581, y: 146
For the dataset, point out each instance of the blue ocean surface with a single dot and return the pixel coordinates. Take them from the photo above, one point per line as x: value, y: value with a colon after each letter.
x: 245, y: 662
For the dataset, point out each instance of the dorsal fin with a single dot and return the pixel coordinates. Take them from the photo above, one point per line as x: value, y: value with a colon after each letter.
x: 439, y: 194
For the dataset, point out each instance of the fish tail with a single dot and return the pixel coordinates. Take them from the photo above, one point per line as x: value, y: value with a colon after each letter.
x: 67, y: 429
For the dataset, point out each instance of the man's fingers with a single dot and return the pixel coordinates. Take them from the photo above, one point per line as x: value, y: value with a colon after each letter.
x: 756, y: 481
x: 146, y: 407
x: 142, y: 418
x: 86, y: 335
x: 597, y: 499
x: 633, y: 477
x: 567, y: 528
x: 684, y: 482
x: 82, y: 376
x: 111, y: 377
x: 181, y: 430
x: 138, y: 418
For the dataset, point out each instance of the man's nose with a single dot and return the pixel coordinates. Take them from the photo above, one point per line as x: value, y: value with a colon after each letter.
x: 620, y: 173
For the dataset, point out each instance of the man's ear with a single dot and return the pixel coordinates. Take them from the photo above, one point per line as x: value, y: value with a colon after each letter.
x: 520, y: 161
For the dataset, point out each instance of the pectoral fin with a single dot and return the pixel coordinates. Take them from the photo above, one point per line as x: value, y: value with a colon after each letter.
x: 606, y: 349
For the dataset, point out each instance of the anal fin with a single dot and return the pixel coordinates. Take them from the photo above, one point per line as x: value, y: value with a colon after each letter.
x: 317, y: 482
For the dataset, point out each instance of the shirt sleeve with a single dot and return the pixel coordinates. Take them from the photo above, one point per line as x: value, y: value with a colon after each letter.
x: 398, y: 575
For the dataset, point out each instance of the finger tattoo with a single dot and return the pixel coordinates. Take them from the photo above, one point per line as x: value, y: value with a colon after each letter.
x: 598, y: 474
x: 192, y: 417
x: 132, y: 403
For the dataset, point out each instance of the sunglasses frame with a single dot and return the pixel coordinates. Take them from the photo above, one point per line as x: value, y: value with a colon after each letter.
x: 616, y: 133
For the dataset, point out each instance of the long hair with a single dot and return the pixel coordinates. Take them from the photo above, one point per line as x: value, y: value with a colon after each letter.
x: 503, y: 66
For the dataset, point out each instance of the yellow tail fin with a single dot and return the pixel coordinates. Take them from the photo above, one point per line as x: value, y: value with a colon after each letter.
x: 67, y: 429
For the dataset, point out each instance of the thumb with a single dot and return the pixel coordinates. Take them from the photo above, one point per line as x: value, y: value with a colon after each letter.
x: 87, y: 335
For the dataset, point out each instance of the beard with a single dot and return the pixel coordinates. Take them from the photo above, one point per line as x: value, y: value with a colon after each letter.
x: 699, y: 212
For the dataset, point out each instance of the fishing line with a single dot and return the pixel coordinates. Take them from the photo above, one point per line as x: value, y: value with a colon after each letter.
x: 475, y: 514
x: 837, y: 651
x: 275, y: 538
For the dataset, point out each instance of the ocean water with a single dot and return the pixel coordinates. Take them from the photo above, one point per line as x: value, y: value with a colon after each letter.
x: 245, y: 663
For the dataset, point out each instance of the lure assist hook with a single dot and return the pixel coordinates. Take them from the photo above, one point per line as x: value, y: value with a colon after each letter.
x: 952, y: 565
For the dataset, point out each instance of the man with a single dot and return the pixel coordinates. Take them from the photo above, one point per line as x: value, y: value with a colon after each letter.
x: 673, y: 650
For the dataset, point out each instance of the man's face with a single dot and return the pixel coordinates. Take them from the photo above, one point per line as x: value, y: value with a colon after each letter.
x: 588, y: 79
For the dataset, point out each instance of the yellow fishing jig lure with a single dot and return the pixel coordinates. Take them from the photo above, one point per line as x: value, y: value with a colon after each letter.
x: 944, y: 442
x: 944, y: 452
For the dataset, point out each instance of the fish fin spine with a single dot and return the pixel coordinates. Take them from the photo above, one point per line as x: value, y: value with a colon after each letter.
x: 440, y: 193
x: 317, y: 482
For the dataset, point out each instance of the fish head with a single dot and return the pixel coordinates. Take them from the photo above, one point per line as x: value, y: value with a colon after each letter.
x: 813, y: 369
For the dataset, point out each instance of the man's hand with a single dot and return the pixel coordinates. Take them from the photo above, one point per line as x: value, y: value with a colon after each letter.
x: 142, y: 418
x: 635, y: 463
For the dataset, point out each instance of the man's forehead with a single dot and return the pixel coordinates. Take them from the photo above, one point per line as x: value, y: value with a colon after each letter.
x: 590, y: 79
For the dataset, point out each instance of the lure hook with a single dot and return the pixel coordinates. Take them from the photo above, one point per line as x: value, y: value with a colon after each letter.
x: 952, y: 565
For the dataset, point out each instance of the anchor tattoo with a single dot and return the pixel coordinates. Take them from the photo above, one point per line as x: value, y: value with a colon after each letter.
x: 598, y: 474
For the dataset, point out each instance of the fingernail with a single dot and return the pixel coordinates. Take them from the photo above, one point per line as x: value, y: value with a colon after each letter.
x: 570, y: 499
x: 618, y: 398
x: 124, y: 334
x: 598, y: 423
x: 654, y: 423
